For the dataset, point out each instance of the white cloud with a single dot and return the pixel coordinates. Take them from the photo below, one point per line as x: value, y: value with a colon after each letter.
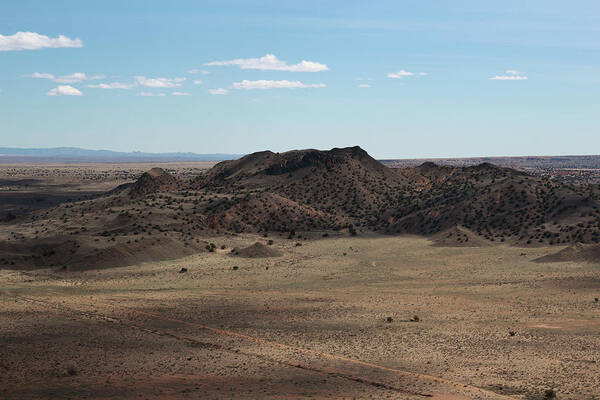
x: 271, y: 63
x: 364, y: 85
x: 403, y: 73
x: 159, y: 82
x: 35, y: 41
x: 150, y: 94
x: 199, y: 71
x: 264, y: 84
x: 511, y: 75
x: 400, y: 74
x: 64, y: 91
x: 218, y: 91
x: 40, y: 75
x: 71, y: 78
x: 181, y: 94
x: 113, y: 85
x: 508, y: 78
x: 198, y: 82
x: 77, y: 77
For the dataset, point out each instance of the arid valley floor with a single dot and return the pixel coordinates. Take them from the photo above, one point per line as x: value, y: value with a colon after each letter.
x: 399, y: 316
x: 309, y: 324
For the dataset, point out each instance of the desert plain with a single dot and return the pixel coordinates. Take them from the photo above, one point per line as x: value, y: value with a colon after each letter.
x: 304, y: 316
x: 312, y: 323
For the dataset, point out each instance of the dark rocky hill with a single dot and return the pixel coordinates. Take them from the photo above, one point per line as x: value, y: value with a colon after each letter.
x: 310, y: 189
x: 153, y: 181
x: 307, y: 192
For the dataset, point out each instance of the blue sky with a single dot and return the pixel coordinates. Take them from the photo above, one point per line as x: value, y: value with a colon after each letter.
x: 401, y: 79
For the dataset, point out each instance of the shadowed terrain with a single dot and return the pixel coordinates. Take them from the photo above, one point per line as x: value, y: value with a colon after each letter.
x: 349, y: 317
x: 305, y: 193
x: 306, y: 274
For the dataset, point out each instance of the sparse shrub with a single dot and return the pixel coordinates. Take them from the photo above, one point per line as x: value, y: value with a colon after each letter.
x: 548, y: 394
x: 70, y: 370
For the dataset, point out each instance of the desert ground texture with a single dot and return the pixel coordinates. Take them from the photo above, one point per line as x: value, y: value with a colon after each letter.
x: 339, y: 317
x: 189, y: 311
x: 28, y: 187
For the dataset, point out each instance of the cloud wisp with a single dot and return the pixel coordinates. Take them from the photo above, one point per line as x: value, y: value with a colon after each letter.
x: 181, y: 94
x: 71, y: 78
x: 150, y: 94
x: 270, y: 62
x: 199, y: 71
x: 112, y: 85
x: 219, y: 91
x: 40, y: 75
x: 159, y: 82
x: 64, y: 91
x: 510, y: 75
x: 34, y: 41
x: 265, y: 84
x: 403, y: 74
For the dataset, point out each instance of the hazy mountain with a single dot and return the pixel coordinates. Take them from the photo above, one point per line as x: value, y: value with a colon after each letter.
x: 76, y: 154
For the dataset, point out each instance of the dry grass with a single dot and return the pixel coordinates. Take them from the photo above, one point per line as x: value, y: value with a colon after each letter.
x: 489, y: 317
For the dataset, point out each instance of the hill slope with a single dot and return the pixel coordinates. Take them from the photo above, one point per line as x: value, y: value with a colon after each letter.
x: 342, y: 190
x: 304, y: 190
x: 312, y: 189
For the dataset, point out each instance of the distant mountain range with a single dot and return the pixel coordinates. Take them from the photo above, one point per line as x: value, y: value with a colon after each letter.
x: 76, y: 154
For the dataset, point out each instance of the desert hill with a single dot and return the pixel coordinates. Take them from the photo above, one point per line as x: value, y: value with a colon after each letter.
x: 346, y: 188
x: 577, y: 252
x: 153, y: 181
x: 500, y: 204
x: 341, y: 190
x: 84, y: 252
x: 256, y: 250
x: 302, y: 190
x: 258, y: 169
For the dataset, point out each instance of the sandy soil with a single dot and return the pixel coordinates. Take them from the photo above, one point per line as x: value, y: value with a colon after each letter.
x: 313, y: 323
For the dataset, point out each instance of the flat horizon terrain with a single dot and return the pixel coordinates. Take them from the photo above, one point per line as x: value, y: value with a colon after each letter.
x: 313, y: 323
x: 28, y: 187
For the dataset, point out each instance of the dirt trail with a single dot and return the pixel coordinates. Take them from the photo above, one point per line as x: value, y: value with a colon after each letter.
x: 345, y: 372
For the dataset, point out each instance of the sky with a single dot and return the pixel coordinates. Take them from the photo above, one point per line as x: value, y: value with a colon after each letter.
x: 401, y: 79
